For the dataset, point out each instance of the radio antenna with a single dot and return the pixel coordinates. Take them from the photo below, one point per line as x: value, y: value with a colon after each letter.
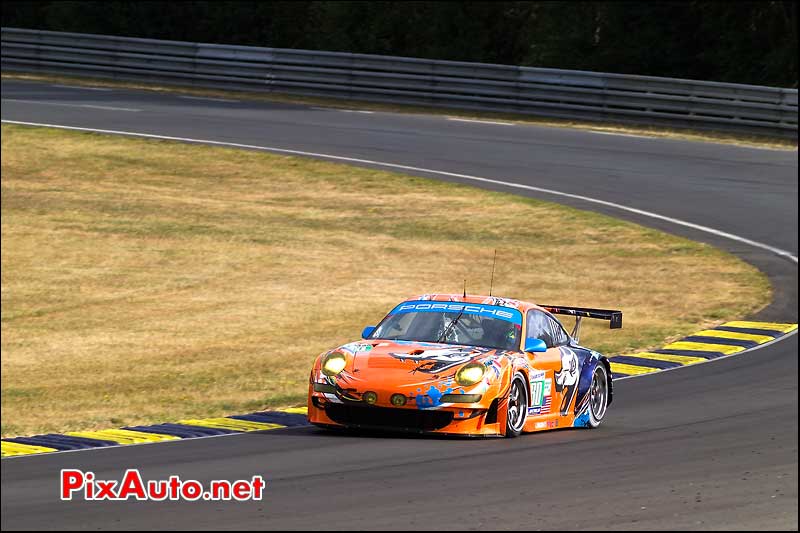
x: 465, y: 288
x: 494, y: 262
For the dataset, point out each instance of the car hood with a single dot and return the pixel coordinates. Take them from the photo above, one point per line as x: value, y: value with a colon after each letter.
x: 405, y: 363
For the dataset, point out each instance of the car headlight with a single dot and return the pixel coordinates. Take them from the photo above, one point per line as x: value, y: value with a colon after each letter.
x: 333, y: 364
x: 470, y: 374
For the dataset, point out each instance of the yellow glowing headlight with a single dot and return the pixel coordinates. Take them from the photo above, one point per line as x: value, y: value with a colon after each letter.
x: 333, y: 364
x: 470, y: 374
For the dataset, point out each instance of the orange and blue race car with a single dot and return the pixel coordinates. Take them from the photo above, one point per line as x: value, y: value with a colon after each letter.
x: 467, y: 365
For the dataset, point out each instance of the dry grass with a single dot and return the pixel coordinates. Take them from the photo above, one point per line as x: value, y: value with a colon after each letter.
x: 145, y: 281
x: 686, y: 134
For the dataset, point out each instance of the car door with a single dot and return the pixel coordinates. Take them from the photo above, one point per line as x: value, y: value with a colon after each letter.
x: 555, y: 372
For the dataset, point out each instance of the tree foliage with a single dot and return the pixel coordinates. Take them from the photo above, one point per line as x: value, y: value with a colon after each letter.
x: 738, y: 41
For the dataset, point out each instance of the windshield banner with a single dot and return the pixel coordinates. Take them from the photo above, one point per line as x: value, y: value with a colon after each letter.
x: 502, y: 313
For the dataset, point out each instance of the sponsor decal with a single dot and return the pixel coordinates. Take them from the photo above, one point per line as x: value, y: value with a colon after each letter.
x: 432, y: 398
x: 537, y: 375
x: 494, y: 365
x: 542, y: 409
x: 545, y: 405
x: 354, y: 347
x: 502, y: 313
x: 540, y: 395
x: 503, y: 302
x: 567, y: 378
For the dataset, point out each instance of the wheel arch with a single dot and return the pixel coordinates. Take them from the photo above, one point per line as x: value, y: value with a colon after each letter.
x: 607, y: 364
x: 507, y: 377
x: 523, y: 369
x: 587, y: 369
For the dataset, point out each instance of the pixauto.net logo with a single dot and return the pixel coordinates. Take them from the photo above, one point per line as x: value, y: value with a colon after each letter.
x: 132, y: 486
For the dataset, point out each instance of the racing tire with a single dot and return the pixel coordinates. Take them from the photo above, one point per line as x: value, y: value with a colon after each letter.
x: 598, y: 396
x: 517, y: 406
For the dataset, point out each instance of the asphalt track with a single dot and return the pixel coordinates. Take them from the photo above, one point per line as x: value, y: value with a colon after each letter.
x: 712, y: 446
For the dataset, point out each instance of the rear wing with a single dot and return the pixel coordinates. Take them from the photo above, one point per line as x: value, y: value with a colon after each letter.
x: 614, y: 317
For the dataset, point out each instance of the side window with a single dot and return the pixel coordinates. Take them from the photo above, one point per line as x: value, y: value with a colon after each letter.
x: 557, y: 333
x: 539, y: 327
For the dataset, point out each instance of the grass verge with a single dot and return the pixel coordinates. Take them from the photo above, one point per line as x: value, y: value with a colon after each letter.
x: 721, y: 137
x: 147, y: 281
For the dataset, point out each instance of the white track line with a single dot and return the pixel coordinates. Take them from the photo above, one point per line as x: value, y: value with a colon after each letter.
x: 60, y: 104
x: 641, y: 212
x: 342, y: 110
x: 206, y: 98
x: 497, y: 123
x: 617, y: 134
x: 83, y: 88
x: 108, y: 108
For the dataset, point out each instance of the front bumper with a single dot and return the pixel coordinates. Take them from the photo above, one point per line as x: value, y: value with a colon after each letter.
x: 453, y: 420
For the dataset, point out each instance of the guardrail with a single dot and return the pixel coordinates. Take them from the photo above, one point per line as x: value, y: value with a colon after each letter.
x: 565, y: 94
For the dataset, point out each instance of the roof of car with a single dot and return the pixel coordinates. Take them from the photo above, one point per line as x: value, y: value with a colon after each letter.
x: 480, y: 299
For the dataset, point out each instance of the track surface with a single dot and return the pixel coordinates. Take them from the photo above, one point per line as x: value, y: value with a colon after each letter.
x: 710, y: 446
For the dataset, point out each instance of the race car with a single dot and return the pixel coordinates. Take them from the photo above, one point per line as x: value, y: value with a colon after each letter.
x: 466, y: 365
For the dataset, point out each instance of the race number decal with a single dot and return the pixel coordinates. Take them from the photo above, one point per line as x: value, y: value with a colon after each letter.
x: 541, y: 388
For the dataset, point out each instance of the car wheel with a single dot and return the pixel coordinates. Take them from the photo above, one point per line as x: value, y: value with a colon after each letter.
x: 517, y: 407
x: 598, y: 396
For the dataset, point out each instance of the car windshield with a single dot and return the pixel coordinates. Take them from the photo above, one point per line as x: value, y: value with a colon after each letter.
x: 488, y: 326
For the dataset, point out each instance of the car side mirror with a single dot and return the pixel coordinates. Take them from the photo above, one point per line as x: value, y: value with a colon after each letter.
x: 535, y: 345
x: 367, y: 332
